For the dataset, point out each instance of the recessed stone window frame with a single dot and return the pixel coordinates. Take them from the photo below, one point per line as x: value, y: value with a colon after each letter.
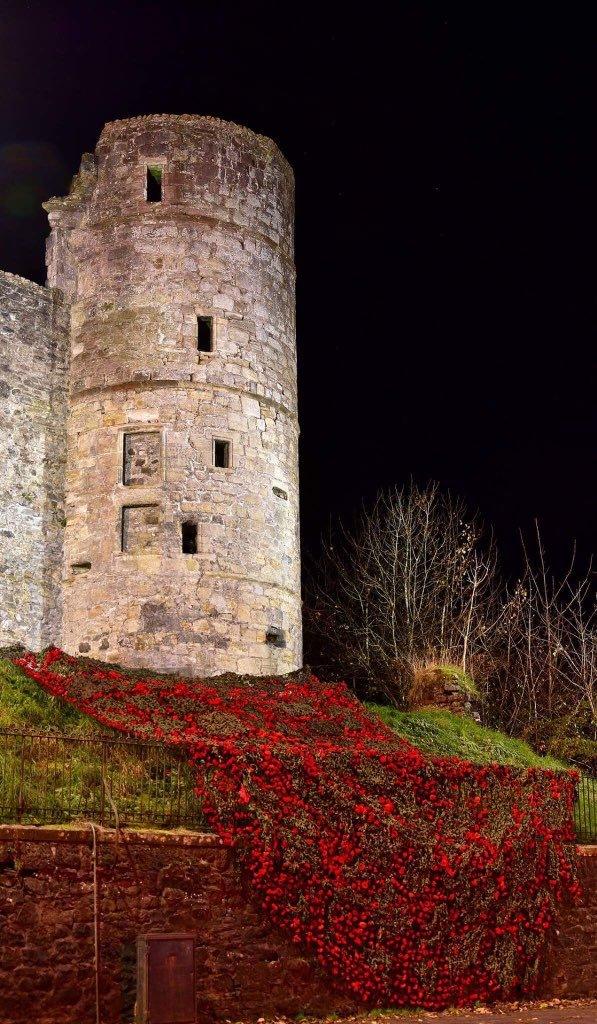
x: 132, y: 506
x: 205, y: 335
x: 140, y: 428
x: 154, y: 174
x: 80, y: 567
x: 230, y: 453
x: 188, y: 526
x: 200, y: 312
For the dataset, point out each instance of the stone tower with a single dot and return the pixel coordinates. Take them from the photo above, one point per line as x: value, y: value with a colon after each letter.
x: 174, y: 253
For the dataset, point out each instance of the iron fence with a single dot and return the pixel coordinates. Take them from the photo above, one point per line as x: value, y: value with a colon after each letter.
x: 52, y: 778
x: 585, y: 810
x: 49, y: 778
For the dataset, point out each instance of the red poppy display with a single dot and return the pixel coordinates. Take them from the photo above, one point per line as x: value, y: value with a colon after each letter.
x: 414, y: 880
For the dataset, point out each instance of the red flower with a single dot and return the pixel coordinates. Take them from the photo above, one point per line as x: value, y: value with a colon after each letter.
x: 405, y: 876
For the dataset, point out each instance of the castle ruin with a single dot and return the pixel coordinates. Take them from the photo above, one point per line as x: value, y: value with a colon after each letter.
x: 148, y: 414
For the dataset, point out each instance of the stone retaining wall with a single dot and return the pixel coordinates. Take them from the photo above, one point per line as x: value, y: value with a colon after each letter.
x: 159, y: 881
x: 570, y: 969
x: 150, y: 882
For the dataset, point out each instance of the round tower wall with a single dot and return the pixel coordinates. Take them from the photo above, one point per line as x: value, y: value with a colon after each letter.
x: 151, y: 416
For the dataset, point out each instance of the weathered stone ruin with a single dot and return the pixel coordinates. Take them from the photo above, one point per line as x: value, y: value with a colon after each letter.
x: 148, y: 415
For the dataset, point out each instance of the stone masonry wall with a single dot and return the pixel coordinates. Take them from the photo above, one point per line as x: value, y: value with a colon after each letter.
x: 33, y: 364
x: 219, y: 245
x: 570, y: 969
x: 153, y: 882
x: 157, y: 881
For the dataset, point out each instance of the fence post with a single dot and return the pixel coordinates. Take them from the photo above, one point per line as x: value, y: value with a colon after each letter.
x: 22, y: 780
x: 103, y: 783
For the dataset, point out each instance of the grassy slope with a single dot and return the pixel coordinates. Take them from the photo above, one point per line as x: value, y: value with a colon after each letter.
x: 25, y: 705
x: 447, y: 735
x: 61, y: 784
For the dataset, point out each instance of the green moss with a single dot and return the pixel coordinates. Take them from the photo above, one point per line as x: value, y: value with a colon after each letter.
x: 447, y: 735
x: 457, y: 675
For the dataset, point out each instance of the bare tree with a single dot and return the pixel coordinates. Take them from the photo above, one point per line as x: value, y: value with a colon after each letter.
x: 411, y: 584
x: 581, y: 657
x: 544, y: 646
x: 414, y: 584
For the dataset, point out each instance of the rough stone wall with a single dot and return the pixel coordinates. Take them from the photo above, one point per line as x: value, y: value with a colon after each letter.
x: 183, y: 882
x: 33, y: 363
x: 139, y: 274
x: 154, y: 882
x: 570, y: 969
x: 439, y: 689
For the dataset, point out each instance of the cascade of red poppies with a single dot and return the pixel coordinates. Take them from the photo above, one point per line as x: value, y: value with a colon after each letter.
x: 414, y: 880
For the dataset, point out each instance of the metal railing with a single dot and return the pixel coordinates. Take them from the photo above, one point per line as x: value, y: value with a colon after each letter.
x: 50, y: 778
x: 585, y: 810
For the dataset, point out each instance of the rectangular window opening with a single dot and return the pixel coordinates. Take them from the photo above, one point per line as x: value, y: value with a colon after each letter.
x: 221, y: 454
x: 275, y: 636
x: 189, y: 538
x: 154, y: 183
x: 205, y: 333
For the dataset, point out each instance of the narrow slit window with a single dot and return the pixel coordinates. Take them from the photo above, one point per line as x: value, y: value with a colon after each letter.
x: 221, y: 454
x: 154, y: 183
x: 189, y: 538
x: 205, y: 333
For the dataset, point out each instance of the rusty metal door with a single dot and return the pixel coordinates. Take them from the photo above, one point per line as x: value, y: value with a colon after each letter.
x: 166, y: 978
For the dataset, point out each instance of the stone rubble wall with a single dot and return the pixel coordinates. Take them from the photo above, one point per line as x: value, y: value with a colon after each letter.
x: 570, y: 968
x: 148, y: 882
x: 33, y: 383
x: 190, y: 882
x: 220, y: 244
x: 437, y: 689
x: 155, y: 605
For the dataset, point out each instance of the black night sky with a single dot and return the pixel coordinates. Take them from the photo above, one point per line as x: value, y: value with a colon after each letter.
x: 445, y: 167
